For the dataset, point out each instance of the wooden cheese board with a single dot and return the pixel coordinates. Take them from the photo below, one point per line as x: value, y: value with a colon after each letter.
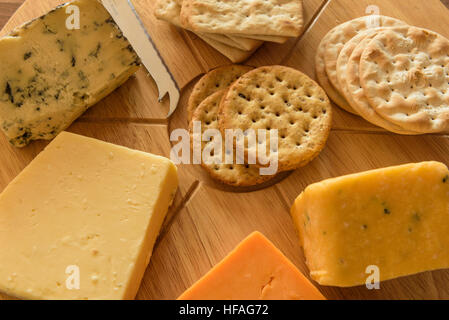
x: 208, y: 220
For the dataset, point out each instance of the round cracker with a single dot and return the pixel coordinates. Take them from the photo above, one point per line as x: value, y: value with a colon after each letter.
x: 215, y: 80
x: 405, y: 76
x: 284, y: 99
x: 345, y: 54
x: 341, y: 34
x: 238, y: 175
x: 351, y: 86
x: 320, y: 70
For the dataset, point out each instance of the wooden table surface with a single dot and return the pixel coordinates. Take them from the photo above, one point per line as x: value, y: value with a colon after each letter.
x: 7, y: 8
x: 215, y: 220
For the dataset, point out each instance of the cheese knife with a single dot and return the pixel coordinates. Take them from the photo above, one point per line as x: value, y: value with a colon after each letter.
x: 128, y: 20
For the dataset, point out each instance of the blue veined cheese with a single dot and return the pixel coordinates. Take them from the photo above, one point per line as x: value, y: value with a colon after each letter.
x: 50, y: 75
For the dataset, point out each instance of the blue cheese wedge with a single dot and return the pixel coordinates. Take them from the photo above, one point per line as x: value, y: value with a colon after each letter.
x: 50, y: 75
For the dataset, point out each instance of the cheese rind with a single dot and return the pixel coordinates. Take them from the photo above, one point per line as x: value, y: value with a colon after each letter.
x: 86, y: 203
x: 50, y: 75
x: 396, y: 219
x: 255, y: 270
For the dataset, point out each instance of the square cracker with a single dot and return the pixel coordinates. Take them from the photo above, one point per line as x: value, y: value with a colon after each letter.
x: 233, y: 54
x: 170, y: 10
x: 243, y: 43
x: 256, y: 17
x: 275, y: 39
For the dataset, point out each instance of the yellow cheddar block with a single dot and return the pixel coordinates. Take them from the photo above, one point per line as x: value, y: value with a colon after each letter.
x: 396, y: 219
x: 255, y: 270
x: 83, y: 210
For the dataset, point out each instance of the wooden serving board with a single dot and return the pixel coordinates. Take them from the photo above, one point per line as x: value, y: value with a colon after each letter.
x: 208, y: 220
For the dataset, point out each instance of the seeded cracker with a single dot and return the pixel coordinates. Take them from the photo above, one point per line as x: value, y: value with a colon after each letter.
x: 285, y: 99
x: 238, y: 175
x: 216, y: 80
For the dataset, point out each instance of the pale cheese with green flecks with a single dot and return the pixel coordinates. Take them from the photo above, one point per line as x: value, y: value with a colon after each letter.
x: 393, y: 220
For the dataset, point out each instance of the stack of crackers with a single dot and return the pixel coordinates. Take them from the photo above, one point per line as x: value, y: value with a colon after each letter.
x: 393, y: 75
x: 273, y: 98
x: 235, y: 28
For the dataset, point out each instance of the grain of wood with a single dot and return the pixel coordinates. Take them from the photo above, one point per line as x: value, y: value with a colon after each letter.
x: 215, y: 219
x: 7, y: 8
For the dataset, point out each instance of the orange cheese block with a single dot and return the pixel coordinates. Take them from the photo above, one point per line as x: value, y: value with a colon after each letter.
x: 255, y: 270
x: 394, y: 220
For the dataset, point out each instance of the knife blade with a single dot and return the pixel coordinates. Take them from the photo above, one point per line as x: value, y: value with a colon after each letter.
x: 128, y: 20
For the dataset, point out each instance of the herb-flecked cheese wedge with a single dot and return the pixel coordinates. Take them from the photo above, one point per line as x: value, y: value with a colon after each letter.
x: 50, y: 75
x: 396, y: 219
